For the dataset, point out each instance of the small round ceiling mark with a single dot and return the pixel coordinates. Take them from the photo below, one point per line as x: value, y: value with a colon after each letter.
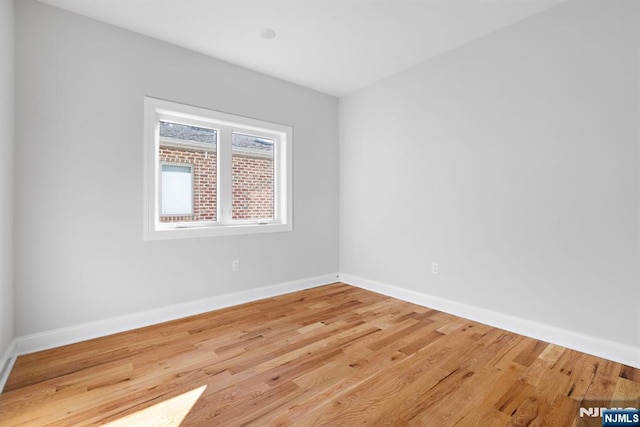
x: 267, y: 33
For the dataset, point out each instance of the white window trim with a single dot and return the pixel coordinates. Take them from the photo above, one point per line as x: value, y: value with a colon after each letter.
x: 153, y: 229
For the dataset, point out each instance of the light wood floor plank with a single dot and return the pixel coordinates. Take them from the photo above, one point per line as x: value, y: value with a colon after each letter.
x: 333, y: 355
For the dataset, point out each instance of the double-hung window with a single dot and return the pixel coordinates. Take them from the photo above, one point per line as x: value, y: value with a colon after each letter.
x: 210, y: 173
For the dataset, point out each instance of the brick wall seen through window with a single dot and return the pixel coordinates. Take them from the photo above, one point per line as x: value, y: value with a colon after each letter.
x: 252, y: 188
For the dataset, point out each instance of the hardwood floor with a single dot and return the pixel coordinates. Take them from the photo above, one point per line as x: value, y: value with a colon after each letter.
x: 334, y: 355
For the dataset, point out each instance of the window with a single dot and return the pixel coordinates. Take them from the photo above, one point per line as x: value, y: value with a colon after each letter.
x: 209, y: 173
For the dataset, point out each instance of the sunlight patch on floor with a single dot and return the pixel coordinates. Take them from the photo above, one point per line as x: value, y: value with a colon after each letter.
x: 169, y: 413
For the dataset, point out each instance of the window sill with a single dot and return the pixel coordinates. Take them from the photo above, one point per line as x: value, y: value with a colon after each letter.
x: 169, y: 233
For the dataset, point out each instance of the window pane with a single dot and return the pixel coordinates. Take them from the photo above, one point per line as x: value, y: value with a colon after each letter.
x: 253, y: 177
x: 188, y: 197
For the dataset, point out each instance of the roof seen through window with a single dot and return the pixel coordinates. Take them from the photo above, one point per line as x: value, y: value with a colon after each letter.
x: 188, y: 133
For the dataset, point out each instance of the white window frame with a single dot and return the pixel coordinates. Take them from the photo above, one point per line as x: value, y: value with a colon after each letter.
x: 156, y: 110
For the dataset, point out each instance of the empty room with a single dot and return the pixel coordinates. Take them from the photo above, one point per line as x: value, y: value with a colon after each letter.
x: 320, y: 212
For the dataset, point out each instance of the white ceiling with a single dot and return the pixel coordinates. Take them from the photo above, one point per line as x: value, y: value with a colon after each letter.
x: 333, y: 46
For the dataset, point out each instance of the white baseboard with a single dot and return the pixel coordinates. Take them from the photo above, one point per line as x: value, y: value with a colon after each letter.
x: 54, y: 338
x: 73, y: 334
x: 6, y: 363
x: 600, y: 347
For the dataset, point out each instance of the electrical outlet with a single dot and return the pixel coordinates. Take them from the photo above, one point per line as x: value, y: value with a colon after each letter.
x: 235, y: 265
x: 434, y: 267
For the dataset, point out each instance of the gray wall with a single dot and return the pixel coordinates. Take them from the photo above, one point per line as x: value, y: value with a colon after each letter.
x: 6, y: 173
x: 79, y: 250
x: 512, y: 161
